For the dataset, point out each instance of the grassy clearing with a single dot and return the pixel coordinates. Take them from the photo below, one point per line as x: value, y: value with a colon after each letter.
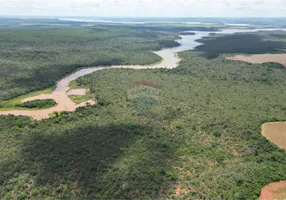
x: 12, y: 104
x: 73, y: 85
x: 262, y: 58
x: 79, y: 99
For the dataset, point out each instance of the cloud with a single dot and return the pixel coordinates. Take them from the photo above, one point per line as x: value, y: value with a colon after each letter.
x: 145, y: 8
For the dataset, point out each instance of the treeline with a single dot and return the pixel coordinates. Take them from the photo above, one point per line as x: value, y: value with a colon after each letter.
x: 187, y: 33
x: 175, y: 28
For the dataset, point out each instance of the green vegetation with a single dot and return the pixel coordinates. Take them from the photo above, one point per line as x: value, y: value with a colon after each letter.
x: 192, y: 132
x: 34, y: 58
x: 79, y: 99
x: 173, y: 28
x: 39, y: 104
x: 73, y: 85
x: 11, y: 104
x: 202, y: 135
x: 140, y: 91
x: 143, y: 97
x: 248, y: 43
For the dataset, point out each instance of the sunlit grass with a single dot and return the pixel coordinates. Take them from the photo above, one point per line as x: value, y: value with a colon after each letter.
x: 11, y: 104
x: 79, y: 99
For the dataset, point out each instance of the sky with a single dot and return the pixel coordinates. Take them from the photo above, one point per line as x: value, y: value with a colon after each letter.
x: 145, y: 8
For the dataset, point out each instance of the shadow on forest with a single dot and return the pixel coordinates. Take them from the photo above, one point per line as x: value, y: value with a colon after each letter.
x: 44, y: 77
x: 98, y: 162
x: 237, y: 43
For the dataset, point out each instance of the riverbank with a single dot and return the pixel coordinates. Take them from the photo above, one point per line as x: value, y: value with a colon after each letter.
x: 169, y: 60
x: 62, y: 91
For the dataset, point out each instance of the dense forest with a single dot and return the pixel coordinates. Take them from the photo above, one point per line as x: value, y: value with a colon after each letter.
x: 34, y: 58
x: 192, y: 132
x: 247, y: 43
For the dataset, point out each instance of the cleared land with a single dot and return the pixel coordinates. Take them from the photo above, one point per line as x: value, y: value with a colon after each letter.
x: 276, y: 133
x: 274, y: 191
x: 260, y: 58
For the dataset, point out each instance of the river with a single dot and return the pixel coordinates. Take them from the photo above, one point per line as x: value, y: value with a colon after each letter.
x: 169, y: 60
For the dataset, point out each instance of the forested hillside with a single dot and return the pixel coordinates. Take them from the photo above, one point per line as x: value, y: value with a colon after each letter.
x: 188, y: 133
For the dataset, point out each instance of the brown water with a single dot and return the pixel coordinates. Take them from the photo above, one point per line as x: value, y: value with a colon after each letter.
x: 61, y: 93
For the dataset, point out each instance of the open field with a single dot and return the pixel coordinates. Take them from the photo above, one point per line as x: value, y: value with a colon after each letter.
x: 78, y: 99
x: 274, y: 191
x: 260, y: 58
x: 10, y: 104
x: 276, y: 133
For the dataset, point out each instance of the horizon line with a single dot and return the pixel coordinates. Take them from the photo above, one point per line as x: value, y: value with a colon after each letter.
x: 54, y: 16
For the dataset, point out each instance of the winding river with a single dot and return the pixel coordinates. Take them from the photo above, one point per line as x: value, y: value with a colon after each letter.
x: 169, y: 60
x: 61, y: 93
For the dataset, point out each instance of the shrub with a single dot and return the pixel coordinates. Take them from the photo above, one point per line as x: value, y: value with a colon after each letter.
x: 45, y: 103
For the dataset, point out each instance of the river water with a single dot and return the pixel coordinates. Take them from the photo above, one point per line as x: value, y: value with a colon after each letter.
x: 169, y: 60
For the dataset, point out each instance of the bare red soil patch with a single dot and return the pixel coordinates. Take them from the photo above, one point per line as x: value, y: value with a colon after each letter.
x: 276, y: 133
x: 180, y: 190
x: 274, y: 191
